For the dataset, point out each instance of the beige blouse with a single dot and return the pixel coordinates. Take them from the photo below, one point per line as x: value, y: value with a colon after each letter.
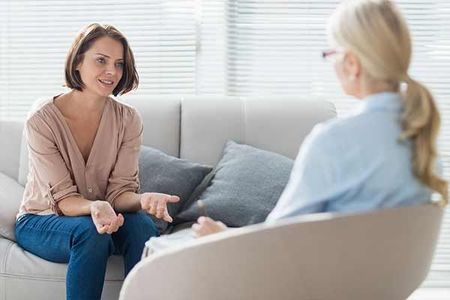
x: 57, y: 168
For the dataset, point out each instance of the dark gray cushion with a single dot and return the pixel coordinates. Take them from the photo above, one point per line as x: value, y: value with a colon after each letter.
x: 162, y: 173
x: 246, y: 185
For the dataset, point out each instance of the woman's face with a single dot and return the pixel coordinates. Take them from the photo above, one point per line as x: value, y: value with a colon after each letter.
x: 102, y: 66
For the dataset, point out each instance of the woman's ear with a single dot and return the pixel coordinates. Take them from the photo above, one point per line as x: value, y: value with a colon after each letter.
x: 352, y: 66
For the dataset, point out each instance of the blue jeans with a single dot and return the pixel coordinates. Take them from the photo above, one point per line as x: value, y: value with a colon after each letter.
x: 75, y: 240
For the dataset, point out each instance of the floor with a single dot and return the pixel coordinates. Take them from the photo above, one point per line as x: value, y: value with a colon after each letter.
x: 430, y: 294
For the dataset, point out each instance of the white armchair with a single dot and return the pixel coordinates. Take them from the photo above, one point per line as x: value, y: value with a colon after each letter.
x: 372, y: 256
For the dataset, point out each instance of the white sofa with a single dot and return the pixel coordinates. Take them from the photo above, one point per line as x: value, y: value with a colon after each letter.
x: 194, y: 128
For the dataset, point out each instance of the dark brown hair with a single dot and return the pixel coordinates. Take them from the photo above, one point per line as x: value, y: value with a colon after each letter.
x: 82, y: 43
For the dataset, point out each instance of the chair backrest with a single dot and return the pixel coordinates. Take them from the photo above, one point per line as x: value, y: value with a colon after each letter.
x: 378, y: 255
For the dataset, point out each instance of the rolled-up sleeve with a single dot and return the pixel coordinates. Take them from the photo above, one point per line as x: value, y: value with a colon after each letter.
x: 125, y: 174
x: 51, y: 177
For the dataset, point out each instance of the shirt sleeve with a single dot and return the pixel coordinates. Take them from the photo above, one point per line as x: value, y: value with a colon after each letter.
x: 52, y: 177
x: 313, y: 180
x: 125, y: 174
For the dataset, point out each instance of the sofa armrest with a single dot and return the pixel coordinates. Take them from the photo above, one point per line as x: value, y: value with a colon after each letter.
x: 11, y: 193
x: 10, y: 139
x: 379, y: 255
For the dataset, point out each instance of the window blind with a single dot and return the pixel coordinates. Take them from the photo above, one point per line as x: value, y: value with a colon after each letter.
x: 36, y: 35
x: 211, y: 75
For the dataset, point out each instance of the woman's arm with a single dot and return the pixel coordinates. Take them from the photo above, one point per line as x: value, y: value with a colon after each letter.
x: 128, y: 202
x: 124, y: 180
x: 75, y: 206
x: 103, y: 215
x: 53, y: 180
x: 314, y: 179
x: 152, y: 203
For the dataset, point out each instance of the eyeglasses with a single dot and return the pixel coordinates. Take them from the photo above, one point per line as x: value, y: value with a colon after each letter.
x: 328, y: 54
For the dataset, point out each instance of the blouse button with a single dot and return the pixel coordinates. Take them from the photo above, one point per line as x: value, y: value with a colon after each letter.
x: 89, y: 189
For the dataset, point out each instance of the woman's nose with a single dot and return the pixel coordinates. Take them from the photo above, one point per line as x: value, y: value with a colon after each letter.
x: 110, y: 69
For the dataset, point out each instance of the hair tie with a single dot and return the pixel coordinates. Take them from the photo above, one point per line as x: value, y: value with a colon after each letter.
x: 407, y: 79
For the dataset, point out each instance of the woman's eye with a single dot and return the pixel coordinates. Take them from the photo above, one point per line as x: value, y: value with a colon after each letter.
x: 120, y: 65
x: 101, y: 60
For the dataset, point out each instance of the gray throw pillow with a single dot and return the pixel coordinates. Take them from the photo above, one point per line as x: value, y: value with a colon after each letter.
x: 246, y: 185
x: 162, y: 173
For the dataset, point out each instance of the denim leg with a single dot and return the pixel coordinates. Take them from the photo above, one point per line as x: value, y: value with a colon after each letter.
x: 72, y: 240
x: 130, y: 239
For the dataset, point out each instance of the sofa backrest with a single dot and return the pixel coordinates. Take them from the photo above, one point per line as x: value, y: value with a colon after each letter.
x: 197, y: 127
x: 277, y: 124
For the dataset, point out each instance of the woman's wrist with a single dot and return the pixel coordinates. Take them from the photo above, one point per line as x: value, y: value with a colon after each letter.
x: 92, y: 205
x: 127, y: 202
x: 75, y: 206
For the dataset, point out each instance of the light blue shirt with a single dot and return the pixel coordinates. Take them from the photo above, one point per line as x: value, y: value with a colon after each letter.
x: 354, y: 164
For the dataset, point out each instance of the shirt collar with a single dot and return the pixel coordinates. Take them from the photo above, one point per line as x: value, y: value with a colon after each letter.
x: 382, y: 101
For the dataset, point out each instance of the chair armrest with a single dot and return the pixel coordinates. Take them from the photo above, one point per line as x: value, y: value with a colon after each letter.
x: 11, y: 193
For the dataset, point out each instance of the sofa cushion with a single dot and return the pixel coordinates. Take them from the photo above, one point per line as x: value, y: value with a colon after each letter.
x: 23, y: 274
x: 162, y: 173
x: 22, y: 263
x: 246, y: 185
x: 11, y: 193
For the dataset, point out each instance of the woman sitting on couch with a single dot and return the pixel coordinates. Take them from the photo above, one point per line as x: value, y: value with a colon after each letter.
x: 382, y: 156
x: 83, y: 149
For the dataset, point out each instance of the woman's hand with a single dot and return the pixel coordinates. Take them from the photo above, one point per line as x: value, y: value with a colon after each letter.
x: 207, y: 226
x: 156, y: 204
x: 105, y: 218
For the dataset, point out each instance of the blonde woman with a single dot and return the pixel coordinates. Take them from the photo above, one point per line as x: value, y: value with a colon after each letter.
x: 382, y: 156
x: 81, y: 201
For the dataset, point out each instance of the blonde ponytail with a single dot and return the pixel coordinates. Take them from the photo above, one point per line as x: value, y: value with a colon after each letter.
x: 421, y: 123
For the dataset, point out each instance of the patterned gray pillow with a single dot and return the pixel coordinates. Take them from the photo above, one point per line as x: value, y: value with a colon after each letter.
x: 246, y: 185
x: 162, y: 173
